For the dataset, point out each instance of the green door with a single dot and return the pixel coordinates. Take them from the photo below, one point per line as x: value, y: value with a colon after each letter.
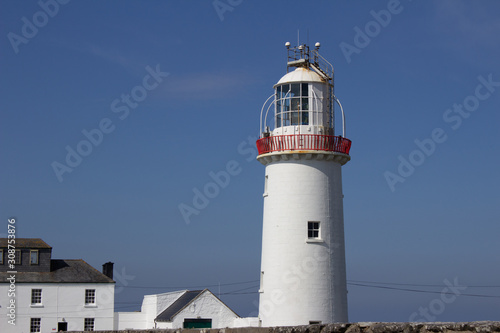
x: 197, y: 323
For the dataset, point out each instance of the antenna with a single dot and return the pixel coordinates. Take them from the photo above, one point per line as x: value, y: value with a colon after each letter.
x: 298, y: 37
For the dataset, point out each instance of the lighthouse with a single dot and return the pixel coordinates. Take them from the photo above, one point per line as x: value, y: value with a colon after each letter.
x: 303, y: 273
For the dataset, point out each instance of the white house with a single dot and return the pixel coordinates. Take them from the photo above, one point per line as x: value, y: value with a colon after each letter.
x: 182, y: 309
x: 40, y: 294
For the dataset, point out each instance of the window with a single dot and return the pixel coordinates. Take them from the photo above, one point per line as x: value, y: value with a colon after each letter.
x: 36, y: 296
x: 314, y: 322
x: 18, y: 257
x: 34, y: 257
x: 312, y: 229
x: 1, y: 256
x: 88, y: 324
x: 265, y: 185
x: 295, y: 91
x: 89, y: 296
x: 292, y: 97
x: 35, y: 325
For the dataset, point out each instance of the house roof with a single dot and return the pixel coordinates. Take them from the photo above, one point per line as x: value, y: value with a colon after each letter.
x: 62, y: 271
x: 169, y: 313
x: 32, y: 243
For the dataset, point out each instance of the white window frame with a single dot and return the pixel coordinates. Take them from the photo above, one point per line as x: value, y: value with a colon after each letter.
x: 35, y: 295
x: 90, y: 297
x: 89, y: 324
x: 35, y: 325
x: 314, y: 239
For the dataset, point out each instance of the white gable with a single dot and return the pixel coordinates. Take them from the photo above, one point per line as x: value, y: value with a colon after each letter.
x: 206, y: 305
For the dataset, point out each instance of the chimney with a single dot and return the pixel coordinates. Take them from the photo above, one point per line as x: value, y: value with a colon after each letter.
x: 107, y: 269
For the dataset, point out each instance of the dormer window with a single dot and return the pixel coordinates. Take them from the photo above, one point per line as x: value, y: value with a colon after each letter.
x: 17, y: 257
x: 34, y: 257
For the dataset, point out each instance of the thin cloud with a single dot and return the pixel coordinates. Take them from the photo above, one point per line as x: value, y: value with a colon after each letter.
x: 476, y: 23
x: 205, y: 85
x: 112, y: 56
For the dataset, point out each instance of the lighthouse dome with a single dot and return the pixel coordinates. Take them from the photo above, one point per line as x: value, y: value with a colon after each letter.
x: 301, y: 74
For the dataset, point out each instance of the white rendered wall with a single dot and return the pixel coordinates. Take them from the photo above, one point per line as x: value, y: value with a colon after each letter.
x: 59, y: 301
x: 153, y: 305
x: 303, y: 280
x: 246, y: 322
x: 206, y: 306
x: 164, y: 300
x: 130, y: 321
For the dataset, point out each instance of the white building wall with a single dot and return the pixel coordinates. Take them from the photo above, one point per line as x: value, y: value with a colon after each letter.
x: 60, y: 302
x: 164, y: 300
x: 246, y: 322
x: 148, y: 308
x: 303, y: 280
x: 207, y: 306
x: 130, y: 321
x: 153, y: 305
x: 204, y: 306
x: 164, y: 325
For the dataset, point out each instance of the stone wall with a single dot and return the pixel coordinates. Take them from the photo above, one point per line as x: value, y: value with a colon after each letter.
x: 476, y: 327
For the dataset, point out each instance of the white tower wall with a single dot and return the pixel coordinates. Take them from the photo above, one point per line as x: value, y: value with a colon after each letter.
x: 303, y: 279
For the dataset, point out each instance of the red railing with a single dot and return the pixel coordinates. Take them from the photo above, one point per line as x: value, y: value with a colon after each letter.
x: 304, y: 142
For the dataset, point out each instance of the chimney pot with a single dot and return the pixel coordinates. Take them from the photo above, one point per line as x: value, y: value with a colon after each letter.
x: 107, y: 269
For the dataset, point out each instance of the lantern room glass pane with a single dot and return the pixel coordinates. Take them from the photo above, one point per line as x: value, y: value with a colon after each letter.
x: 286, y: 119
x: 305, y: 103
x: 286, y: 105
x: 305, y: 89
x: 284, y: 90
x: 292, y: 105
x: 305, y: 118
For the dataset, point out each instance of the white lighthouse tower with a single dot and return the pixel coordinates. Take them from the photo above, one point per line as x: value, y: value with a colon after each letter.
x: 303, y: 275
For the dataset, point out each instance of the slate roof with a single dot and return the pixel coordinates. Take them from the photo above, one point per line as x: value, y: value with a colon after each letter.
x: 169, y: 313
x: 62, y: 271
x: 33, y: 243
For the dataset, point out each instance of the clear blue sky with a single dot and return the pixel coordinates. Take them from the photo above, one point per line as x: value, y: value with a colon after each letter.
x: 421, y: 75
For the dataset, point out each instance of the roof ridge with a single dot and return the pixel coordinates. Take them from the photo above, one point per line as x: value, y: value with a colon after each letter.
x: 199, y: 292
x: 36, y: 243
x: 171, y: 311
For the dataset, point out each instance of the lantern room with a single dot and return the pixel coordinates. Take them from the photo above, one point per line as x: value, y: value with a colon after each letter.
x: 300, y: 115
x: 303, y: 104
